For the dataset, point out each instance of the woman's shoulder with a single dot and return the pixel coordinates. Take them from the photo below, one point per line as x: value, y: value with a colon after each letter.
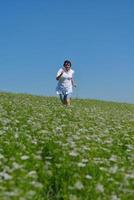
x: 60, y: 69
x: 72, y: 71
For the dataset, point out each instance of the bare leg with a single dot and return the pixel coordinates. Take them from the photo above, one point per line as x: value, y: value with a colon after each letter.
x: 61, y: 98
x: 68, y: 102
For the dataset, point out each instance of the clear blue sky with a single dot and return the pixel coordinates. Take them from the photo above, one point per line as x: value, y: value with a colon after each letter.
x: 36, y: 36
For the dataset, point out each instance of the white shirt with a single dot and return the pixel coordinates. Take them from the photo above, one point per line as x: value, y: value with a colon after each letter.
x: 65, y: 84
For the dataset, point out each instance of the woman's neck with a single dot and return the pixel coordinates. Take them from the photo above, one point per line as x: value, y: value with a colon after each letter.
x: 66, y: 70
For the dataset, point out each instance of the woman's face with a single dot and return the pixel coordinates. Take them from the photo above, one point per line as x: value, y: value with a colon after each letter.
x: 67, y: 67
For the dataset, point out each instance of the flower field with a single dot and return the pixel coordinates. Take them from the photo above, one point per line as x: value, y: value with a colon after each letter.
x: 52, y: 152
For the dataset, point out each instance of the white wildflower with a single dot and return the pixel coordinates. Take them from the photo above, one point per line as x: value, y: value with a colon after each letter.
x: 16, y: 166
x: 79, y: 185
x: 9, y: 194
x: 25, y: 157
x: 113, y: 158
x: 86, y: 148
x: 37, y: 157
x: 73, y: 197
x: 5, y: 121
x: 30, y: 193
x: 73, y: 153
x: 13, y: 193
x: 99, y: 188
x: 80, y: 164
x: 130, y: 147
x: 106, y: 131
x: 1, y: 132
x: 84, y: 160
x: 16, y: 135
x: 114, y: 197
x: 47, y: 164
x: 88, y: 176
x: 37, y: 184
x: 5, y: 176
x: 48, y: 157
x: 130, y: 176
x: 5, y: 128
x: 76, y: 137
x: 34, y: 141
x: 103, y: 169
x: 113, y: 169
x: 32, y: 174
x: 1, y: 156
x: 58, y: 129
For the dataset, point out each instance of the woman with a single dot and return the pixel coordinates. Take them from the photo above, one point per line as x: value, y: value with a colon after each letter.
x: 65, y: 83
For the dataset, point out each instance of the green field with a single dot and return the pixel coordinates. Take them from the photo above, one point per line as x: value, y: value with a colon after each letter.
x: 52, y: 152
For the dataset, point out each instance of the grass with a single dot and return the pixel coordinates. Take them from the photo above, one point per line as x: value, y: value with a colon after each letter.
x: 52, y: 152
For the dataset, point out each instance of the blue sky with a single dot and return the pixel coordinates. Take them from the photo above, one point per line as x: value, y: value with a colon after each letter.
x: 97, y: 36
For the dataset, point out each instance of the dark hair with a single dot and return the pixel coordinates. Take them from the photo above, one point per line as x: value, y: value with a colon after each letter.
x: 67, y: 62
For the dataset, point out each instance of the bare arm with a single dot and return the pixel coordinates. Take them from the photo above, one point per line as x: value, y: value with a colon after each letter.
x: 58, y: 77
x: 72, y: 81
